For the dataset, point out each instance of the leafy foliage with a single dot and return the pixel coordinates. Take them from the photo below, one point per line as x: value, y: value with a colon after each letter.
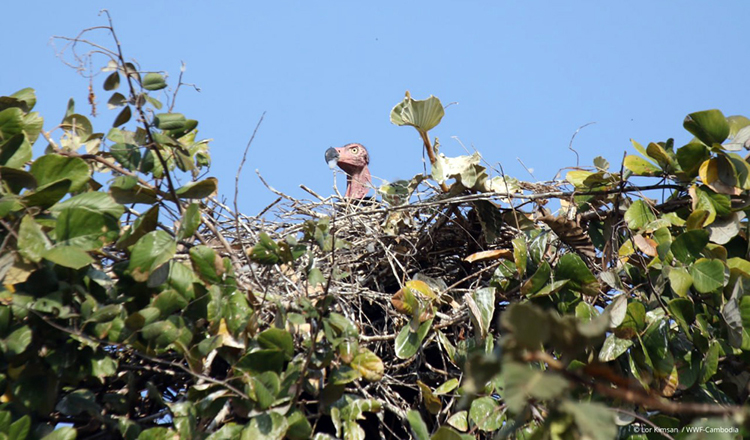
x: 621, y: 315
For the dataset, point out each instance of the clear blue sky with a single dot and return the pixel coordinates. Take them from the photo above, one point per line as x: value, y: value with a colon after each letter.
x: 525, y: 75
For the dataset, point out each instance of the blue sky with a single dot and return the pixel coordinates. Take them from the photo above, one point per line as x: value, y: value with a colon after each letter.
x: 525, y: 76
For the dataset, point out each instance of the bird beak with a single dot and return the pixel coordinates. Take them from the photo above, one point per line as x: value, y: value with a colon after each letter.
x: 332, y: 157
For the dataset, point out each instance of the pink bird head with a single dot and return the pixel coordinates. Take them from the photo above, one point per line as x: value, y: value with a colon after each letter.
x: 353, y: 159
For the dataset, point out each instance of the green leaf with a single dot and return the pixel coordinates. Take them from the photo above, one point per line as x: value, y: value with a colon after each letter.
x: 711, y: 362
x: 63, y: 433
x: 68, y: 256
x: 688, y: 246
x: 169, y: 121
x: 538, y: 280
x: 78, y: 124
x: 278, y: 339
x: 261, y: 360
x: 127, y: 155
x: 116, y: 100
x: 266, y: 251
x: 154, y: 81
x: 25, y: 99
x: 641, y: 166
x: 144, y: 224
x: 78, y: 402
x: 17, y: 179
x: 191, y: 219
x: 660, y: 155
x: 112, y: 82
x: 709, y: 126
x: 447, y: 387
x: 198, y: 190
x: 207, y: 264
x: 127, y: 190
x: 149, y: 253
x: 85, y: 228
x: 11, y: 123
x: 680, y: 281
x: 487, y: 414
x: 691, y: 156
x: 15, y: 151
x: 94, y: 201
x: 17, y: 342
x: 123, y: 117
x: 639, y: 215
x: 742, y: 168
x: 409, y: 342
x: 418, y: 426
x: 683, y: 311
x: 571, y: 267
x: 656, y: 345
x: 708, y: 275
x: 520, y: 254
x: 613, y: 347
x: 299, y: 426
x: 424, y: 115
x: 369, y: 365
x: 20, y: 428
x: 47, y: 195
x: 465, y: 169
x: 482, y: 309
x: 162, y: 333
x: 53, y: 167
x: 32, y: 241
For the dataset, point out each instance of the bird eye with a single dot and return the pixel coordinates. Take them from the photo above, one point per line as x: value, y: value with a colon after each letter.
x: 354, y: 150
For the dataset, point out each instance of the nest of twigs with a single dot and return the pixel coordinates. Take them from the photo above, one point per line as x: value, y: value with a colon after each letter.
x: 382, y: 248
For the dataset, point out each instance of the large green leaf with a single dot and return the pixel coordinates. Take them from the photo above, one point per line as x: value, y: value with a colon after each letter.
x: 708, y: 275
x: 15, y: 151
x: 408, y: 342
x: 94, y: 201
x: 68, y: 256
x: 424, y: 115
x: 149, y: 253
x: 207, y: 264
x: 639, y: 215
x: 169, y: 121
x: 32, y: 241
x: 710, y: 126
x: 691, y: 156
x: 25, y: 99
x: 198, y: 190
x: 487, y: 414
x: 144, y: 224
x: 482, y: 309
x: 688, y: 246
x: 47, y: 195
x: 191, y: 219
x: 85, y: 228
x: 571, y: 267
x: 613, y: 347
x: 641, y: 166
x: 154, y: 81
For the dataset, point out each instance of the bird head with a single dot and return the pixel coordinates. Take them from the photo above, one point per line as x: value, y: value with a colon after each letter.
x: 353, y: 159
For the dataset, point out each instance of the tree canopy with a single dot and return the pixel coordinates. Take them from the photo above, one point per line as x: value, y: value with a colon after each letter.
x: 463, y: 304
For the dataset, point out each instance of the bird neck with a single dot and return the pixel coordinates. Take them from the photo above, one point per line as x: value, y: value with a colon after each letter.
x: 358, y: 184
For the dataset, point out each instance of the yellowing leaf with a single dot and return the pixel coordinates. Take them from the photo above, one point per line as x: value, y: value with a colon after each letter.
x: 494, y: 254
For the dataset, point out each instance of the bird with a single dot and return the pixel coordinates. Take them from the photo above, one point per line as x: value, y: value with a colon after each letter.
x: 353, y: 160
